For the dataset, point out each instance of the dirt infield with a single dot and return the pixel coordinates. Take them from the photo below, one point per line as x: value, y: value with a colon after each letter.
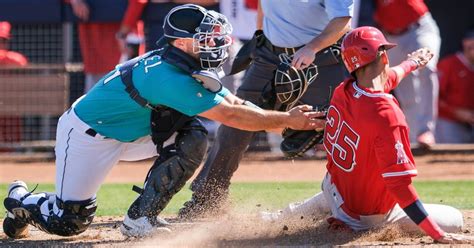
x: 231, y: 231
x: 240, y: 230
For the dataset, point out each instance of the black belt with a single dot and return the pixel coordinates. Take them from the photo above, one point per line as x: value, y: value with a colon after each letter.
x: 91, y: 132
x: 278, y: 50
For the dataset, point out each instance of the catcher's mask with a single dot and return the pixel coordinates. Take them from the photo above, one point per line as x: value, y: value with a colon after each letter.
x: 209, y: 30
x: 290, y: 84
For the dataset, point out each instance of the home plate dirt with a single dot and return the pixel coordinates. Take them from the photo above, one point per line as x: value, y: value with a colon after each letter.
x: 234, y: 231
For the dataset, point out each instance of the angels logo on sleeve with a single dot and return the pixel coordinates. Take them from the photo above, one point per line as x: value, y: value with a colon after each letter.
x: 401, y: 155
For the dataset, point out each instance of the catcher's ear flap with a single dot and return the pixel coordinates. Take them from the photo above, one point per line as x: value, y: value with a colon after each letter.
x: 209, y: 80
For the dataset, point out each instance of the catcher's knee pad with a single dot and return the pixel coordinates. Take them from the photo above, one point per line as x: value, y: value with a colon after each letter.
x: 169, y: 173
x: 55, y: 217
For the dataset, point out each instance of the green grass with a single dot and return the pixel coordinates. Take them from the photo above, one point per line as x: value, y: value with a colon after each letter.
x: 114, y: 199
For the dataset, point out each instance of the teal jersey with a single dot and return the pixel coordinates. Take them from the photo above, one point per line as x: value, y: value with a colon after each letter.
x: 109, y: 110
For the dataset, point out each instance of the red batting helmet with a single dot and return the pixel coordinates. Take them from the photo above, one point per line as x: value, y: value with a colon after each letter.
x: 361, y: 45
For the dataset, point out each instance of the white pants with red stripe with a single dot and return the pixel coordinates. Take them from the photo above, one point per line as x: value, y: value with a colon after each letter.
x: 329, y: 202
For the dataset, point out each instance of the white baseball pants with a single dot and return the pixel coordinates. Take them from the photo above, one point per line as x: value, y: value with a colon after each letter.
x: 329, y: 201
x: 83, y: 161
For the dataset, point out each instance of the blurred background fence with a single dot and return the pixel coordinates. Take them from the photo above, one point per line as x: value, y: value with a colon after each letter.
x: 34, y: 95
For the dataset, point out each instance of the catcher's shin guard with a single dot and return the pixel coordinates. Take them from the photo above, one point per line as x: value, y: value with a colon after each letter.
x: 171, y: 170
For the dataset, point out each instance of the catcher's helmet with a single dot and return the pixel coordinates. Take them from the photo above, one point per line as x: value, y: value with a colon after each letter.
x: 202, y: 25
x: 361, y: 45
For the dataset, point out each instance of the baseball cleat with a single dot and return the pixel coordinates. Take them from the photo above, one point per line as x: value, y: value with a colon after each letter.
x: 14, y: 227
x: 143, y: 227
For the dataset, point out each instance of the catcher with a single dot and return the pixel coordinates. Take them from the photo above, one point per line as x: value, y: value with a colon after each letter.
x: 129, y: 114
x: 370, y: 165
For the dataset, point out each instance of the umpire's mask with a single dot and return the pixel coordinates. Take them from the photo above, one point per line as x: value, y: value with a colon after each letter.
x: 209, y: 30
x: 290, y: 84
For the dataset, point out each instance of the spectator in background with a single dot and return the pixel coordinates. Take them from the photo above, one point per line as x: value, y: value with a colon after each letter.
x: 102, y: 43
x: 130, y: 35
x: 456, y: 103
x: 10, y: 126
x: 409, y: 24
x: 7, y: 57
x: 131, y: 47
x: 242, y: 14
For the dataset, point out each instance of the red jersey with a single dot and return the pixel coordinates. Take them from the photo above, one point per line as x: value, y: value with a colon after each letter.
x: 10, y: 58
x: 394, y: 16
x: 366, y: 137
x: 99, y: 47
x: 456, y: 84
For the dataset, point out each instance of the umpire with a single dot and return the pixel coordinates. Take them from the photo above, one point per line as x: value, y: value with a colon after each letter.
x: 304, y: 29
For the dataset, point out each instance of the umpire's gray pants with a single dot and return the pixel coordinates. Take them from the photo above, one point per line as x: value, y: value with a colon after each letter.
x: 223, y: 160
x: 418, y: 92
x: 452, y: 132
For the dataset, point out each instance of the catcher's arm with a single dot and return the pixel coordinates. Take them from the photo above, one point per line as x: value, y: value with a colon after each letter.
x: 249, y: 118
x: 417, y: 59
x: 233, y: 99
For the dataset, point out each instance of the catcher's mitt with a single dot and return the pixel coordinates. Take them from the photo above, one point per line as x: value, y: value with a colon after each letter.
x: 296, y: 142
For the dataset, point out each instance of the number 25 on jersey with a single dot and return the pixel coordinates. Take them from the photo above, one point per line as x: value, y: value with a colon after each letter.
x: 340, y: 140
